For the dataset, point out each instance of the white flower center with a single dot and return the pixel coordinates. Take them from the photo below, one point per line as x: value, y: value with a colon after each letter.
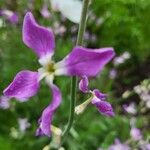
x: 49, y: 68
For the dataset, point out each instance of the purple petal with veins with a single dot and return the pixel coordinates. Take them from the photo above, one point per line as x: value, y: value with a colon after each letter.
x: 84, y: 61
x: 103, y: 107
x: 24, y: 85
x: 38, y: 38
x: 47, y: 115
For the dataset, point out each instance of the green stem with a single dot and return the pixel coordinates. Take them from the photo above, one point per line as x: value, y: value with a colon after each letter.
x: 81, y: 31
x: 82, y: 24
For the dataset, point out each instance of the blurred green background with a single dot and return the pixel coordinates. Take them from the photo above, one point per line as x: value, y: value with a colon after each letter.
x: 121, y: 24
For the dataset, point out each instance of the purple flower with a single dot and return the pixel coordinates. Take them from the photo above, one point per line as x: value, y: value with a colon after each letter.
x: 122, y: 58
x: 81, y: 61
x: 98, y: 99
x: 143, y: 92
x: 131, y: 108
x: 148, y: 146
x: 45, y: 12
x: 136, y: 134
x: 59, y: 29
x: 4, y: 102
x: 145, y: 146
x: 119, y: 146
x: 113, y: 73
x: 11, y: 16
x: 23, y: 124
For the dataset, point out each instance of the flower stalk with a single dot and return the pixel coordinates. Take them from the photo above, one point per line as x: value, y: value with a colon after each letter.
x: 79, y: 42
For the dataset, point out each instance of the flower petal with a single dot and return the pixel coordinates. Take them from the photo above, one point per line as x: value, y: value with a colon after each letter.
x: 24, y: 85
x: 38, y: 38
x: 103, y: 107
x: 83, y: 84
x: 71, y: 9
x: 99, y: 95
x: 47, y: 115
x: 83, y: 61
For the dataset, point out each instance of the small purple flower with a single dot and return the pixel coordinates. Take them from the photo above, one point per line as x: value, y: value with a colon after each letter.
x: 98, y: 99
x: 145, y: 147
x: 93, y: 38
x: 4, y: 102
x: 59, y: 29
x: 23, y: 124
x: 119, y: 146
x: 11, y: 16
x: 136, y: 134
x: 113, y: 73
x: 87, y: 35
x: 45, y: 12
x: 121, y: 59
x: 143, y: 92
x: 81, y: 61
x: 148, y: 146
x: 131, y: 108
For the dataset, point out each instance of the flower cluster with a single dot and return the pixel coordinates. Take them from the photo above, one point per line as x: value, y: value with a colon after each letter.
x: 80, y: 62
x: 143, y: 90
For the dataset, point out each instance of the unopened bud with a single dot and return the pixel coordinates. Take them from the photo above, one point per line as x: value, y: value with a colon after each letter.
x: 56, y: 130
x: 46, y: 147
x: 80, y: 108
x: 56, y: 138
